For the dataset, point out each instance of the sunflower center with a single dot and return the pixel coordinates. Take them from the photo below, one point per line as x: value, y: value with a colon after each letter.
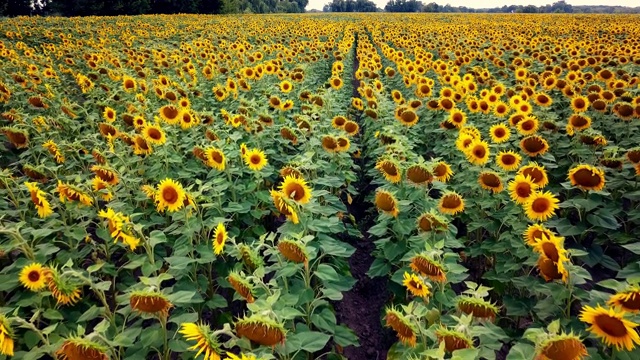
x: 540, y: 205
x: 34, y: 276
x: 451, y: 202
x: 527, y: 125
x: 295, y: 191
x: 255, y: 159
x: 508, y: 159
x: 216, y: 157
x: 499, y: 133
x: 633, y: 302
x: 155, y: 134
x: 548, y: 268
x: 550, y: 251
x: 586, y: 178
x: 578, y: 121
x: 491, y: 180
x: 564, y: 349
x: 523, y: 190
x: 170, y: 112
x: 611, y: 325
x: 533, y: 144
x: 170, y: 195
x: 220, y: 238
x: 390, y: 169
x: 479, y: 152
x: 534, y: 174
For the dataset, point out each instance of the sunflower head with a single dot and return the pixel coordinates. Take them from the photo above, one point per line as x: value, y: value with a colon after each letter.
x: 293, y: 251
x: 442, y: 171
x: 453, y: 339
x: 416, y: 285
x: 82, y: 348
x: 499, y: 133
x: 611, y: 326
x: 32, y: 277
x: 403, y: 327
x: 561, y: 346
x: 206, y: 341
x: 478, y: 152
x: 429, y: 267
x: 627, y: 300
x: 150, y: 302
x: 255, y: 159
x: 541, y: 206
x: 241, y: 286
x: 6, y: 336
x: 261, y: 330
x: 219, y: 238
x: 386, y: 202
x: 170, y: 195
x: 63, y: 289
x: 587, y: 177
x: 451, y: 203
x: 430, y: 221
x: 508, y: 160
x: 477, y: 307
x: 390, y: 170
x: 419, y: 174
x: 250, y: 257
x: 491, y: 181
x: 296, y: 189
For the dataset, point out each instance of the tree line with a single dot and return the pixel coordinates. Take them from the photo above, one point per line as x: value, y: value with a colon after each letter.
x: 138, y: 7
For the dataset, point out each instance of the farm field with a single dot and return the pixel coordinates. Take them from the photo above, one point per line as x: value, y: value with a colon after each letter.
x: 320, y: 187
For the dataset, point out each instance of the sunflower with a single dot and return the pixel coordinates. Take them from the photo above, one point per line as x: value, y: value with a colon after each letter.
x: 579, y: 104
x: 187, y: 119
x: 534, y: 233
x: 627, y: 300
x: 540, y: 206
x: 428, y: 267
x: 215, y: 158
x: 52, y: 147
x: 451, y: 203
x: 408, y: 118
x: 415, y: 285
x: 231, y: 356
x: 255, y: 159
x: 261, y: 330
x: 141, y: 146
x: 293, y: 251
x: 562, y: 347
x: 477, y: 307
x: 419, y: 174
x: 282, y: 205
x: 18, y: 137
x: 241, y: 286
x: 499, y: 133
x: 536, y: 172
x: 219, y: 238
x: 330, y: 144
x: 351, y: 127
x: 521, y: 188
x: 105, y: 174
x: 32, y: 277
x: 464, y: 141
x: 508, y: 160
x: 453, y: 339
x: 6, y: 336
x: 154, y: 134
x: 390, y: 170
x: 63, y: 290
x: 75, y: 348
x: 386, y: 203
x: 534, y: 145
x: 68, y: 192
x: 39, y: 199
x: 336, y: 83
x: 490, y: 180
x: 286, y: 86
x: 170, y: 114
x: 528, y: 126
x: 170, y: 195
x: 442, y: 171
x: 552, y: 248
x: 296, y: 189
x: 339, y: 121
x: 206, y: 341
x: 542, y: 99
x: 457, y: 118
x: 587, y: 177
x: 150, y: 302
x: 478, y: 153
x: 405, y: 330
x: 611, y: 326
x: 109, y: 114
x: 579, y: 121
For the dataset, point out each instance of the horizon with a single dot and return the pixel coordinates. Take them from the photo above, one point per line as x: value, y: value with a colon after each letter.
x: 488, y: 4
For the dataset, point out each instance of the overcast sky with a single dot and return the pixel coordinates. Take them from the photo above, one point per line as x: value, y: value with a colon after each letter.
x: 318, y: 4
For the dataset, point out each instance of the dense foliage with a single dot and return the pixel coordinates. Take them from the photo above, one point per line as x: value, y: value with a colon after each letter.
x: 189, y: 186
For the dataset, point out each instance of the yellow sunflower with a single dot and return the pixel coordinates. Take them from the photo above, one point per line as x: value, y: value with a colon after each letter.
x: 627, y: 300
x: 255, y: 159
x: 390, y: 170
x: 415, y: 285
x: 536, y: 172
x: 478, y: 153
x: 451, y: 203
x: 491, y: 181
x: 219, y: 238
x: 39, y: 199
x: 587, y: 177
x: 499, y: 133
x: 521, y: 188
x: 109, y: 114
x: 508, y: 160
x: 534, y: 233
x: 32, y: 277
x: 170, y: 195
x: 154, y: 134
x: 215, y: 158
x: 386, y: 202
x: 611, y: 327
x: 206, y: 342
x: 540, y: 206
x: 6, y: 336
x: 296, y: 189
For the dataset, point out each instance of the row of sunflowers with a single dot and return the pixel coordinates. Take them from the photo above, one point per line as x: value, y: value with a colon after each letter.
x: 185, y: 186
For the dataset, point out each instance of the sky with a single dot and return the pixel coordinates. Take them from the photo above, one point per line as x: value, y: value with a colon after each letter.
x: 318, y: 4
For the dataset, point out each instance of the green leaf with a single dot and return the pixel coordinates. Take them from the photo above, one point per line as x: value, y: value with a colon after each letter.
x: 634, y: 247
x: 312, y: 341
x: 465, y: 354
x: 521, y: 351
x: 379, y: 267
x: 128, y: 337
x: 184, y: 318
x: 52, y: 314
x: 91, y: 314
x: 324, y: 320
x: 157, y: 237
x: 326, y: 273
x: 603, y: 220
x: 344, y: 336
x: 185, y: 298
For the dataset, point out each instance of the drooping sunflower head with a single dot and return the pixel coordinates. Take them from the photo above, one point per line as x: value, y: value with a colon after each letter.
x: 587, y: 177
x: 627, y: 300
x: 207, y: 342
x: 6, y: 336
x: 170, y: 195
x: 386, y: 202
x: 106, y: 174
x: 241, y: 286
x: 390, y: 170
x: 611, y: 327
x: 491, y: 181
x: 69, y: 192
x: 63, y: 289
x: 250, y: 257
x: 579, y: 121
x: 477, y: 307
x: 141, y: 146
x: 296, y: 189
x: 150, y: 302
x: 403, y: 327
x: 32, y: 277
x: 429, y: 267
x: 18, y: 137
x: 293, y: 251
x: 261, y: 330
x: 451, y: 203
x: 561, y: 347
x: 508, y: 160
x: 419, y: 174
x: 75, y: 348
x: 283, y: 205
x: 453, y: 339
x: 351, y: 127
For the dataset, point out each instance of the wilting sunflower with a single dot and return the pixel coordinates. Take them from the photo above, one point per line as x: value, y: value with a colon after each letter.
x: 611, y: 327
x: 76, y: 348
x: 52, y: 147
x: 255, y: 159
x: 534, y: 145
x: 499, y: 133
x: 283, y: 207
x: 293, y: 251
x: 386, y: 202
x: 32, y: 277
x: 150, y: 302
x: 6, y: 336
x: 453, y: 339
x: 64, y: 290
x: 540, y: 206
x: 627, y: 300
x: 521, y: 188
x: 415, y: 285
x: 534, y: 233
x: 587, y: 177
x: 206, y: 342
x: 536, y: 172
x: 154, y: 134
x: 241, y: 286
x: 106, y: 174
x: 451, y: 203
x: 215, y: 158
x: 296, y: 189
x: 390, y: 170
x: 561, y: 347
x: 141, y: 146
x: 405, y: 330
x: 490, y: 180
x: 419, y: 174
x: 38, y: 198
x: 170, y: 195
x: 18, y: 137
x: 477, y: 307
x: 219, y: 238
x: 478, y: 153
x: 261, y: 330
x: 117, y: 223
x: 70, y: 192
x: 442, y: 171
x: 429, y: 267
x: 508, y: 160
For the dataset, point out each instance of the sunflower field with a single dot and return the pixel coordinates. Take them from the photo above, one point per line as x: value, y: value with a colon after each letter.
x: 320, y: 187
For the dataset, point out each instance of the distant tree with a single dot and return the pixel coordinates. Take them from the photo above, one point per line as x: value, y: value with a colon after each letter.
x: 230, y: 7
x: 403, y: 6
x: 431, y: 7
